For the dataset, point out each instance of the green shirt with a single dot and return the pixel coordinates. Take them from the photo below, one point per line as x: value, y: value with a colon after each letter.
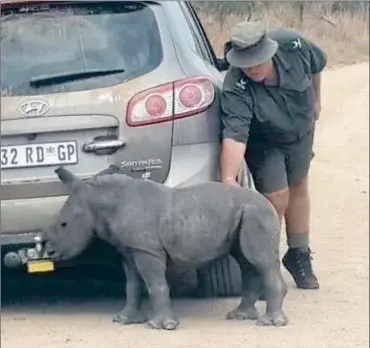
x: 276, y: 114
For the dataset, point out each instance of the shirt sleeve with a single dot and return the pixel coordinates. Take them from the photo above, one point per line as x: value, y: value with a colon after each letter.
x: 317, y: 57
x: 236, y: 116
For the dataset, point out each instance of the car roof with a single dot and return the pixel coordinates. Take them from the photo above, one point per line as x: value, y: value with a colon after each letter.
x: 6, y: 2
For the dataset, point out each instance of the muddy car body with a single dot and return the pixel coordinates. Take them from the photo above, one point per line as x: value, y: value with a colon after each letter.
x: 89, y: 84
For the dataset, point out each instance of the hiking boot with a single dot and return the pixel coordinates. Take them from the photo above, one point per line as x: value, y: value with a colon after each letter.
x: 298, y: 262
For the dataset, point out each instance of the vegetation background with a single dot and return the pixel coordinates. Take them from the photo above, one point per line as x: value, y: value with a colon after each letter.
x: 341, y: 28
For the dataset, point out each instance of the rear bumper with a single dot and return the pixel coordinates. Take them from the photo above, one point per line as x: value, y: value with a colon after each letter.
x: 22, y: 219
x: 17, y: 239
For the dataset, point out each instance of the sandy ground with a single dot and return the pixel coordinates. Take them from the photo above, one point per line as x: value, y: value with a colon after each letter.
x: 336, y: 316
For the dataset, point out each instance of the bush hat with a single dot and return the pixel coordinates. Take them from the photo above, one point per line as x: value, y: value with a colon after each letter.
x: 250, y: 45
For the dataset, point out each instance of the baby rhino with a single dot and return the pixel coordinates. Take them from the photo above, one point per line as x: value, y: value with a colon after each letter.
x: 149, y: 224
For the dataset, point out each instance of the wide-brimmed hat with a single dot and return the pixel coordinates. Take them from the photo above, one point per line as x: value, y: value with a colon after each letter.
x: 250, y: 45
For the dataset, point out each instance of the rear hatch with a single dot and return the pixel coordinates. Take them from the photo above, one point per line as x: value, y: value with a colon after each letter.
x: 68, y: 73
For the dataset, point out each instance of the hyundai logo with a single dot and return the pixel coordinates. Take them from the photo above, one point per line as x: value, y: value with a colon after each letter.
x: 34, y: 108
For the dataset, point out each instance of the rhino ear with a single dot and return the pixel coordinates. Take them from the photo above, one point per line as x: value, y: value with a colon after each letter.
x: 68, y: 178
x: 112, y: 169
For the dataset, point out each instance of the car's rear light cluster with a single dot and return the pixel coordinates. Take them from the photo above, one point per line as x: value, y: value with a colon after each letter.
x: 173, y: 100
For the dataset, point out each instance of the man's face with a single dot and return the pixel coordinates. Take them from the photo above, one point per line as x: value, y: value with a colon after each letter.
x: 260, y: 72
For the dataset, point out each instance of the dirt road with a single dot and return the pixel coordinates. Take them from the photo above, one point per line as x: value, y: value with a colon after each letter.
x: 336, y: 316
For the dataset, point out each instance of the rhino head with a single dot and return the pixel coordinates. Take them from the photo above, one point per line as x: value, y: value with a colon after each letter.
x: 73, y: 229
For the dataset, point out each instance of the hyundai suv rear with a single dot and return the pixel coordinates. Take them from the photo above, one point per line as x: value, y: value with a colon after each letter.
x: 89, y: 84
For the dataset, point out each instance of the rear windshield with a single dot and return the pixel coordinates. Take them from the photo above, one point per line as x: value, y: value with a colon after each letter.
x: 47, y: 40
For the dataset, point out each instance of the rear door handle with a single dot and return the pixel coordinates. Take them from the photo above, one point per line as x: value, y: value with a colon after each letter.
x: 110, y: 145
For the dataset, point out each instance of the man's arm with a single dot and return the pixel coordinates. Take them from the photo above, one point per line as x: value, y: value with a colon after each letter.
x: 232, y: 156
x: 318, y: 60
x: 317, y: 87
x: 236, y: 118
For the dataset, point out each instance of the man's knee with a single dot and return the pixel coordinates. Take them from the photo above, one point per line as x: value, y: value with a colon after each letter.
x: 299, y: 188
x: 280, y: 200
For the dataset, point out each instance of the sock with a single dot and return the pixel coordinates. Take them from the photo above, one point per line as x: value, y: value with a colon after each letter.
x: 298, y: 240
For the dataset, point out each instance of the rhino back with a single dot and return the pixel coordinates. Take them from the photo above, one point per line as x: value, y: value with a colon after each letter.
x: 132, y: 211
x: 201, y: 223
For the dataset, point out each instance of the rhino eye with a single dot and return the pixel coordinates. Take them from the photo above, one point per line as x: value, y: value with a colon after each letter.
x: 63, y: 224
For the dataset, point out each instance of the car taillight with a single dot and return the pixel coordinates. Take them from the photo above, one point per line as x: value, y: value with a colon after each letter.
x: 173, y: 100
x: 155, y: 105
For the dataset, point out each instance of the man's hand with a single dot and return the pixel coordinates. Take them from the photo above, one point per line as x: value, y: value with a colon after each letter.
x: 317, y: 109
x: 232, y: 156
x: 230, y: 181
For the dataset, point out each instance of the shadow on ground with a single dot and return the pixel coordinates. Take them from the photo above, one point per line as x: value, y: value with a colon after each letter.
x: 82, y: 283
x: 77, y: 284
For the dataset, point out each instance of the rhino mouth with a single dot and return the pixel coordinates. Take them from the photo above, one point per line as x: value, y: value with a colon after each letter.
x: 52, y: 253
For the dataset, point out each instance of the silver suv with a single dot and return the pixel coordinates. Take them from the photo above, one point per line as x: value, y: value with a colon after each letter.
x: 88, y: 84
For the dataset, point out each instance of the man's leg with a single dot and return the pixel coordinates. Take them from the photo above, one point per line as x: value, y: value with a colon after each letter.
x: 297, y: 215
x: 269, y: 174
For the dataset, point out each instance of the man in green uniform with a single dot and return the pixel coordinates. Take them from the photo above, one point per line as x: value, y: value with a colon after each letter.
x: 270, y: 102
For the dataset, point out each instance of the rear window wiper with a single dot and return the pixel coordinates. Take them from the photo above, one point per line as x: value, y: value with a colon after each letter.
x: 46, y: 80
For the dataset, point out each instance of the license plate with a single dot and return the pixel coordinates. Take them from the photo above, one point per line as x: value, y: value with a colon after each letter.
x: 39, y: 266
x: 38, y: 155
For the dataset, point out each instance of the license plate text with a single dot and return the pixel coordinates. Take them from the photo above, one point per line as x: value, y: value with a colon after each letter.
x: 35, y: 155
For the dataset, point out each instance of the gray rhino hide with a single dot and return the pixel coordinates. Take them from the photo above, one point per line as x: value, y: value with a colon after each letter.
x: 148, y: 223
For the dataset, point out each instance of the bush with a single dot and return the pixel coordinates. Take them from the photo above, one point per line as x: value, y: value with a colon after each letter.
x: 340, y: 28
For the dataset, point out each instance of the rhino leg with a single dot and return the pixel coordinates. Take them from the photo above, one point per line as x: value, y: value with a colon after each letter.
x: 131, y: 312
x: 275, y: 290
x: 152, y: 269
x: 251, y: 289
x: 259, y: 243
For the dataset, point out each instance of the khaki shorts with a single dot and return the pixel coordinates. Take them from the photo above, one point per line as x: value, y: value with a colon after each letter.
x: 276, y: 167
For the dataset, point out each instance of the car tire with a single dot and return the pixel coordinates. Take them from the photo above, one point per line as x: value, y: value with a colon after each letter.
x: 222, y: 278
